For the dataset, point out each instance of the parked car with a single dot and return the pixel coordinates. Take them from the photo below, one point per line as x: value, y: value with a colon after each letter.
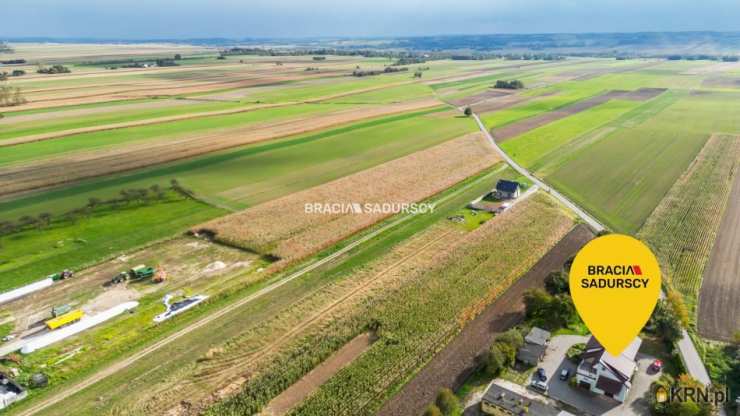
x: 564, y: 374
x: 656, y: 366
x: 540, y: 374
x: 539, y: 385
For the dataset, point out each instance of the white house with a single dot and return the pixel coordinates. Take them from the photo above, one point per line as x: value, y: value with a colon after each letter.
x: 605, y: 374
x: 507, y: 189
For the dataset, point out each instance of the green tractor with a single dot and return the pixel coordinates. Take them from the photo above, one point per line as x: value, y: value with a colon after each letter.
x: 63, y: 275
x: 137, y: 273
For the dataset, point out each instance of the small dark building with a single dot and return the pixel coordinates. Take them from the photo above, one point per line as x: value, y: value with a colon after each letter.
x: 535, y: 345
x: 507, y: 189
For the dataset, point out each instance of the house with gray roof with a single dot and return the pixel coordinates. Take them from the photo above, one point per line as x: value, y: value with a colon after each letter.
x: 535, y: 346
x: 606, y: 374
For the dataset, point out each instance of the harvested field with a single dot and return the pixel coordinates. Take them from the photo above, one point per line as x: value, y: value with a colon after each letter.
x: 151, y: 88
x: 45, y: 173
x: 483, y: 96
x: 318, y: 376
x: 684, y: 226
x: 283, y: 228
x: 458, y: 360
x: 515, y: 129
x: 721, y: 82
x: 719, y: 299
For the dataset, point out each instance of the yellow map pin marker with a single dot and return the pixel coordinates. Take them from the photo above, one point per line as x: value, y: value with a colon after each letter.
x: 615, y: 284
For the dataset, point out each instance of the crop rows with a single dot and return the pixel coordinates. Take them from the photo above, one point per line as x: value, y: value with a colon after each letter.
x: 683, y: 228
x: 408, y: 179
x: 417, y: 319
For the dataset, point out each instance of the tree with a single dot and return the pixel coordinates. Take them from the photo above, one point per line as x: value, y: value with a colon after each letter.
x: 557, y: 283
x: 93, y: 203
x: 551, y: 312
x: 432, y: 410
x: 178, y: 56
x: 468, y: 111
x: 27, y: 220
x: 447, y: 402
x: 45, y: 218
x: 494, y: 361
x: 665, y: 323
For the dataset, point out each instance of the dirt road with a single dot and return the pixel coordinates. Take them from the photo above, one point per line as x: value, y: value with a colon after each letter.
x: 456, y: 361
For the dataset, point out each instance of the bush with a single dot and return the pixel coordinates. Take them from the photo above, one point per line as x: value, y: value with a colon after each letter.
x: 432, y: 410
x: 665, y: 323
x: 447, y: 402
x: 551, y: 312
x: 494, y: 361
x: 557, y: 283
x: 54, y: 69
x: 575, y: 351
x: 468, y: 111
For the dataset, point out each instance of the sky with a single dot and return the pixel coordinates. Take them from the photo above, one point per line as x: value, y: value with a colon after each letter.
x: 181, y: 19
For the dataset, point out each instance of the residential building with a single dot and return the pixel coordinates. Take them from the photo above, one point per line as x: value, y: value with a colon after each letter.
x: 535, y: 346
x: 605, y: 374
x: 507, y: 189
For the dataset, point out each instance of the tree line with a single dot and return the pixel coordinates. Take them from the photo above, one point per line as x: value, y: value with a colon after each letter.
x: 514, y: 84
x: 125, y: 198
x: 368, y: 73
x: 54, y: 69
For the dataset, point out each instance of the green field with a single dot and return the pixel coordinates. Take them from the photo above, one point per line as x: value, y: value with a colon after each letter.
x: 622, y: 177
x: 259, y: 172
x: 530, y: 148
x: 35, y: 253
x: 61, y: 124
x: 160, y: 131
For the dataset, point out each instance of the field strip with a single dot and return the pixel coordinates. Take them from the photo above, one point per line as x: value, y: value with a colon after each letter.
x: 455, y: 360
x: 518, y: 128
x: 293, y: 332
x: 159, y: 120
x: 592, y: 222
x: 16, y: 179
x: 296, y: 393
x: 61, y: 395
x: 413, y: 177
x: 115, y: 126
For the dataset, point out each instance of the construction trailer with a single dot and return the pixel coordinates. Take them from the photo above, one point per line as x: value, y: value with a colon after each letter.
x: 83, y: 324
x: 10, y: 391
x: 64, y: 320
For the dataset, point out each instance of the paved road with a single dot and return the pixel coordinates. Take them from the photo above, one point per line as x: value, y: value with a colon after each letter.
x: 689, y: 355
x: 591, y: 221
x: 115, y: 367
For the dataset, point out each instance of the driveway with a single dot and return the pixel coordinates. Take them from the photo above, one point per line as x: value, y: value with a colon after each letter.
x: 584, y: 401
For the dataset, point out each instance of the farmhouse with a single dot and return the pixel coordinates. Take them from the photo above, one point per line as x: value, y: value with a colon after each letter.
x: 502, y: 399
x: 605, y: 374
x: 507, y: 189
x: 535, y: 345
x: 10, y: 391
